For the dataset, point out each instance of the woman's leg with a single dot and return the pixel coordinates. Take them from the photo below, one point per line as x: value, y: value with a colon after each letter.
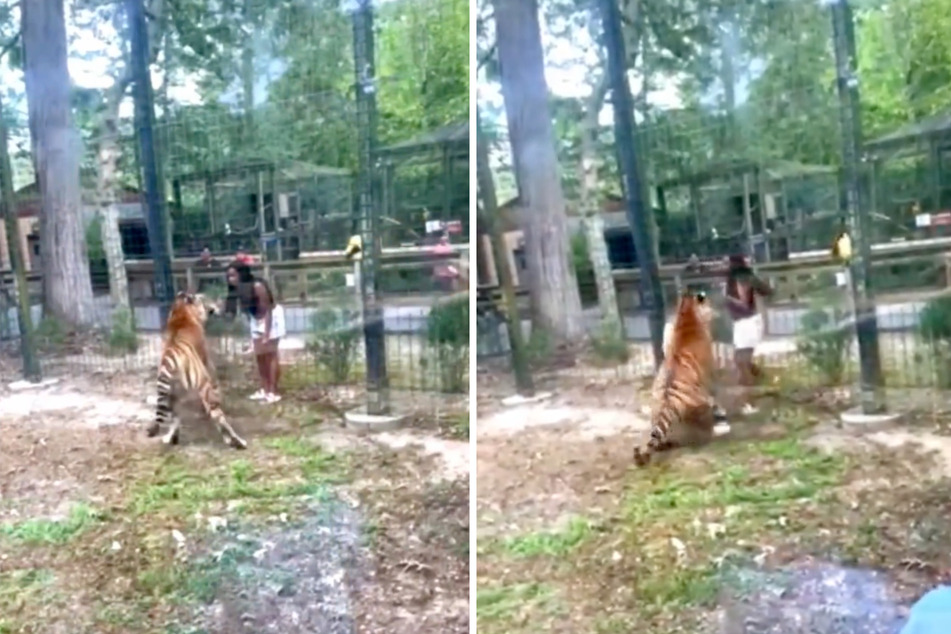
x: 260, y: 357
x: 747, y: 377
x: 274, y: 368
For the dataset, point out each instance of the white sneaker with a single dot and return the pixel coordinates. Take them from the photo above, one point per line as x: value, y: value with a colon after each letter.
x: 749, y: 409
x: 260, y: 395
x: 272, y: 398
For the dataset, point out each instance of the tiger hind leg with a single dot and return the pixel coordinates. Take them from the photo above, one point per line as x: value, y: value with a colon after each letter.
x: 659, y: 441
x: 171, y: 437
x: 212, y: 404
x: 164, y: 406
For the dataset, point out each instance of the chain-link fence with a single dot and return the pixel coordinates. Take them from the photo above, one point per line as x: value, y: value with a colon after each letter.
x: 750, y: 161
x: 264, y: 168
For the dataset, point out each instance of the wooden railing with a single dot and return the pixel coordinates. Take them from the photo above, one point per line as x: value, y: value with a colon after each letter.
x: 187, y: 273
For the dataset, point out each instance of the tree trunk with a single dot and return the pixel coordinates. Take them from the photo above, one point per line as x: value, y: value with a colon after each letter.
x: 247, y: 74
x: 593, y: 222
x: 106, y: 194
x: 488, y: 218
x: 556, y: 303
x: 67, y: 290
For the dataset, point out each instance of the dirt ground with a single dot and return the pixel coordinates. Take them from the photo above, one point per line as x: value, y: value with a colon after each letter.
x: 312, y: 529
x: 788, y: 524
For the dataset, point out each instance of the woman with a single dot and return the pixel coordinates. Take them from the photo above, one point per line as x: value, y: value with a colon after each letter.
x: 267, y: 325
x: 742, y: 288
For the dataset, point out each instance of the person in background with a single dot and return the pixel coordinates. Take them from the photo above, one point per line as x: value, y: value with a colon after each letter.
x: 445, y: 273
x: 742, y: 289
x: 254, y: 297
x: 242, y: 257
x: 206, y: 261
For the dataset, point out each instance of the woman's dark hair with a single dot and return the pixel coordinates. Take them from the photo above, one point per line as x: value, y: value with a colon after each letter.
x: 243, y: 293
x: 243, y: 270
x: 240, y: 294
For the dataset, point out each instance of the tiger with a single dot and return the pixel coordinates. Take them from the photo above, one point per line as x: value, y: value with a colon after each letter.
x: 683, y: 409
x: 185, y: 364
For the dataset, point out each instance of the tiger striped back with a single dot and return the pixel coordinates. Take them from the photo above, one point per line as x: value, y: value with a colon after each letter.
x: 682, y: 410
x: 185, y: 365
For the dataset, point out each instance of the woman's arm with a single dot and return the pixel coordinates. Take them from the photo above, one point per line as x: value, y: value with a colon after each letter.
x: 264, y: 302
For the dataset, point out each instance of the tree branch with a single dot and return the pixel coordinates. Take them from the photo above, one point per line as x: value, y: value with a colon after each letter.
x: 9, y: 45
x: 482, y: 61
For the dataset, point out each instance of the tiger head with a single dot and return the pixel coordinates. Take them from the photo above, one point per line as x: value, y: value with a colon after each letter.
x: 190, y: 308
x: 692, y: 323
x: 698, y: 304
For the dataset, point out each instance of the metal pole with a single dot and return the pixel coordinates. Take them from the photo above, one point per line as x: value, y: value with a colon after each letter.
x: 374, y: 336
x: 31, y: 362
x: 154, y: 192
x: 866, y: 324
x: 624, y: 132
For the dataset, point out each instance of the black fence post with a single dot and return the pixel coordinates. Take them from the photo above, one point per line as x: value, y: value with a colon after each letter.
x: 154, y: 190
x: 31, y: 362
x: 624, y: 132
x: 374, y: 333
x: 856, y: 204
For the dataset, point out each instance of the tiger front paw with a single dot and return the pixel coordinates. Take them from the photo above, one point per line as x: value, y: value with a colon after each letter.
x: 641, y: 458
x: 152, y: 430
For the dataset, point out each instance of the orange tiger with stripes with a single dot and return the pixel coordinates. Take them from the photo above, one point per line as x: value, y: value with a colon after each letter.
x: 185, y: 366
x: 683, y: 410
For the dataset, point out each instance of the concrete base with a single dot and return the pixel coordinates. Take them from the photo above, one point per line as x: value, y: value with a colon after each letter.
x: 358, y: 420
x: 856, y: 420
x: 19, y: 386
x: 518, y: 399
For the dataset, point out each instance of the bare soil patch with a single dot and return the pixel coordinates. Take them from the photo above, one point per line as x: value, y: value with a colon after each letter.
x: 311, y: 529
x: 739, y: 536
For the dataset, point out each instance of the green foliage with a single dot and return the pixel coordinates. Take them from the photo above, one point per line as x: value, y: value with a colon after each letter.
x: 539, y: 346
x: 824, y: 342
x: 934, y: 320
x: 447, y: 334
x: 50, y: 332
x: 333, y: 340
x: 934, y: 327
x: 121, y: 337
x: 584, y: 270
x: 609, y: 344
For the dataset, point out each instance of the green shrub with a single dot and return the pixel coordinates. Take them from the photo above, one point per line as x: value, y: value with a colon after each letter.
x: 447, y: 335
x: 609, y: 344
x: 50, y: 332
x: 121, y: 337
x: 333, y: 340
x: 539, y: 346
x: 934, y: 328
x: 824, y: 343
x: 584, y: 270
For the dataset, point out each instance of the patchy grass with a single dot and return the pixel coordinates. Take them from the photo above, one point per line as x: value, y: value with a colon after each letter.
x: 655, y: 559
x: 141, y: 563
x: 33, y: 532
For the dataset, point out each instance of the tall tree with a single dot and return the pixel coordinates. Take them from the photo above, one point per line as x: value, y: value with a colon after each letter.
x: 593, y: 222
x: 67, y: 289
x: 556, y: 304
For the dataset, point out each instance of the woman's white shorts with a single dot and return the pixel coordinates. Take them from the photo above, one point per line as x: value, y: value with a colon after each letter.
x: 748, y: 332
x: 278, y: 327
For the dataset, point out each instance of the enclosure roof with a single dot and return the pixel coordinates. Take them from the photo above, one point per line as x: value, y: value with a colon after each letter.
x: 774, y: 169
x: 451, y: 135
x: 911, y: 133
x: 285, y: 169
